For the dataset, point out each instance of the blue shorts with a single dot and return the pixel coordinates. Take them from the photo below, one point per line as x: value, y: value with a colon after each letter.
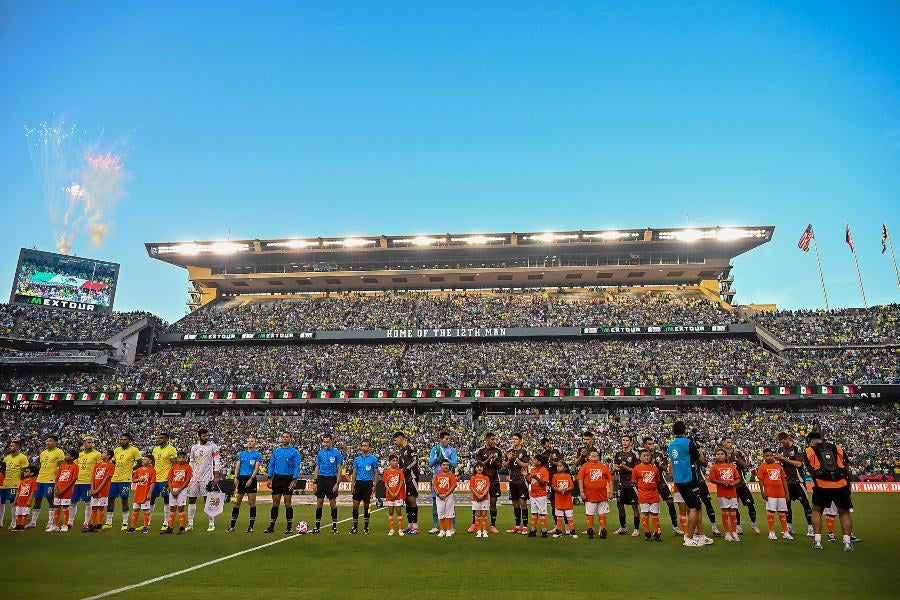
x: 44, y: 490
x: 7, y: 495
x: 119, y: 489
x: 80, y: 493
x: 159, y: 489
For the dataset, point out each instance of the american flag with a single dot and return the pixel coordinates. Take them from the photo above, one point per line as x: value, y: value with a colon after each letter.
x: 884, y: 237
x: 849, y: 240
x: 806, y: 238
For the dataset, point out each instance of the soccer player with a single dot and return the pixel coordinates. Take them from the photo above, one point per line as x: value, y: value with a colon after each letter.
x: 180, y: 476
x: 101, y: 480
x: 595, y: 483
x: 828, y: 465
x: 517, y: 464
x: 328, y: 464
x: 126, y: 458
x: 246, y: 467
x: 440, y: 451
x: 661, y: 460
x: 87, y: 460
x: 724, y: 475
x: 587, y: 441
x: 480, y: 486
x: 164, y: 456
x: 14, y: 463
x: 492, y: 458
x: 206, y: 470
x: 142, y: 485
x: 646, y: 477
x: 563, y: 485
x: 539, y: 481
x: 773, y: 485
x: 25, y: 496
x: 791, y: 458
x: 625, y: 460
x: 394, y: 494
x: 685, y: 458
x: 50, y: 458
x: 64, y: 487
x: 444, y: 484
x: 283, y: 471
x: 740, y: 460
x: 362, y: 484
x: 410, y: 465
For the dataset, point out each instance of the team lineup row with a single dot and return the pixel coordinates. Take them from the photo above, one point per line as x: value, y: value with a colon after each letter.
x: 638, y: 479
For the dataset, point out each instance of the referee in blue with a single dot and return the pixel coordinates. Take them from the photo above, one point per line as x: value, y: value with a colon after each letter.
x: 328, y: 465
x: 362, y: 484
x: 284, y: 469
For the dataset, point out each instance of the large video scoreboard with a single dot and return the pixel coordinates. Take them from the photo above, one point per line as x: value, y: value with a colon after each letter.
x: 62, y: 281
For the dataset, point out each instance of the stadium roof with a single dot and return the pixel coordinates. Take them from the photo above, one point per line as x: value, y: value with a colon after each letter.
x: 676, y: 256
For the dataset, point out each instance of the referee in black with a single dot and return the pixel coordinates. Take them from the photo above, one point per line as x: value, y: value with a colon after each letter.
x: 284, y: 469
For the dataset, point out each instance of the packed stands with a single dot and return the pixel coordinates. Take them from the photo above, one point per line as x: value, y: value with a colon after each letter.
x: 39, y: 323
x: 839, y: 327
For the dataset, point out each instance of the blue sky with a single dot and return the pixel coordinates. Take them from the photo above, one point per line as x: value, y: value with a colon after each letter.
x: 333, y: 118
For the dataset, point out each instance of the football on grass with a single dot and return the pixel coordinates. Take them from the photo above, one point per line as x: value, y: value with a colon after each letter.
x: 302, y: 527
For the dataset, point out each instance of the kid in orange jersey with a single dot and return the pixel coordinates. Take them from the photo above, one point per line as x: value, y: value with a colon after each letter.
x: 394, y: 494
x: 563, y: 486
x: 444, y: 485
x: 647, y: 478
x: 99, y: 492
x: 595, y: 483
x: 480, y: 486
x: 774, y: 488
x: 141, y: 486
x: 724, y: 474
x: 539, y: 479
x: 66, y: 476
x: 180, y: 476
x: 25, y: 496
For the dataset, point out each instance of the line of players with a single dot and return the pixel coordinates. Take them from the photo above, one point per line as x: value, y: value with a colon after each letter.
x: 638, y: 479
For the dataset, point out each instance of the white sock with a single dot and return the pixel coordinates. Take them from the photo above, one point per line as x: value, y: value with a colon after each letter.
x: 846, y: 539
x: 87, y: 513
x: 150, y: 512
x: 818, y: 538
x: 212, y: 521
x: 51, y: 517
x: 2, y: 513
x: 126, y: 517
x: 109, y: 517
x: 192, y: 508
x: 34, y: 515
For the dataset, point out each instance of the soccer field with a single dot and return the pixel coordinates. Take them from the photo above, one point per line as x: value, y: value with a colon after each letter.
x: 73, y: 565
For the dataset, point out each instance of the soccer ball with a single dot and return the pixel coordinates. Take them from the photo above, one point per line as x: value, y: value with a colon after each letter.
x: 302, y: 527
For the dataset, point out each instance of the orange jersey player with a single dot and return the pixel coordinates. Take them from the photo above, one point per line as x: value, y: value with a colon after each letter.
x: 774, y: 488
x: 180, y: 476
x: 563, y: 487
x: 444, y: 485
x: 480, y: 486
x: 394, y: 494
x: 595, y: 483
x: 66, y: 477
x: 25, y: 496
x: 101, y: 479
x: 647, y: 478
x: 725, y: 477
x: 142, y: 487
x: 539, y: 481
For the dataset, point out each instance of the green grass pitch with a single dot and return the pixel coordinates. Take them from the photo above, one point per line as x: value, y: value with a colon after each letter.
x: 73, y: 565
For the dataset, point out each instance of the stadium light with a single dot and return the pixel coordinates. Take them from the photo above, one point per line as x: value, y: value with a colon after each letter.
x: 189, y: 249
x: 356, y: 242
x: 610, y: 235
x: 729, y: 235
x: 422, y: 241
x: 299, y: 243
x: 225, y: 248
x: 688, y: 235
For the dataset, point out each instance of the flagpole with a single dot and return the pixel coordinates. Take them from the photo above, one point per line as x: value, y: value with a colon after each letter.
x: 821, y: 277
x: 893, y: 258
x: 862, y: 291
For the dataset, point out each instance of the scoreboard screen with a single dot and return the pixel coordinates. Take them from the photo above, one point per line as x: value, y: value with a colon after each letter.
x: 62, y: 281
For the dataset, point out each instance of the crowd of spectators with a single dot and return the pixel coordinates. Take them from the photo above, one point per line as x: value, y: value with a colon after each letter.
x: 469, y: 309
x: 849, y: 365
x: 46, y: 324
x: 871, y: 434
x: 838, y: 327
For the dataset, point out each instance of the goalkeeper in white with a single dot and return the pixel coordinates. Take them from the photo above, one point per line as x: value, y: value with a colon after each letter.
x: 207, y: 466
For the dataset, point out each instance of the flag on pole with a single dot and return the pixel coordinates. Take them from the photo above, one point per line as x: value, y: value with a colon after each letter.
x: 884, y: 236
x: 806, y: 238
x: 849, y: 239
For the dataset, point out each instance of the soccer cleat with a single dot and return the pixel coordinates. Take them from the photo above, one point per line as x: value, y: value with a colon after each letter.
x: 817, y: 546
x: 494, y: 530
x: 129, y: 530
x: 390, y: 532
x: 831, y: 537
x: 647, y: 537
x: 400, y: 533
x: 315, y: 531
x: 123, y: 527
x: 51, y: 529
x: 366, y: 531
x: 677, y: 531
x: 854, y: 539
x: 772, y: 535
x: 250, y: 529
x: 472, y: 528
x: 543, y: 533
x: 85, y: 527
x: 590, y: 533
x: 706, y: 541
x: 271, y: 529
x: 166, y: 531
x: 64, y: 529
x: 31, y: 526
x: 451, y: 533
x: 787, y: 535
x: 412, y: 531
x: 848, y: 547
x: 289, y: 530
x: 334, y: 530
x: 532, y: 533
x: 433, y: 530
x: 728, y: 537
x: 620, y: 531
x: 89, y: 529
x: 145, y: 530
x: 735, y: 538
x: 212, y: 527
x: 181, y: 530
x: 354, y: 530
x: 715, y: 530
x: 603, y: 534
x: 657, y: 537
x: 441, y: 534
x: 573, y: 535
x: 513, y: 530
x: 755, y: 529
x: 739, y: 530
x: 691, y: 543
x: 557, y: 534
x: 229, y: 530
x: 188, y: 528
x: 790, y: 529
x: 810, y: 532
x: 163, y: 528
x: 635, y: 533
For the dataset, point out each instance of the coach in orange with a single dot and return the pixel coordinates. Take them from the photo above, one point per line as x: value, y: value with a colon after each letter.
x: 827, y: 463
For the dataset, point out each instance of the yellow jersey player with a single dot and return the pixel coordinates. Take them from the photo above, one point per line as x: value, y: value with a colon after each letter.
x: 164, y: 456
x: 87, y: 460
x: 50, y: 458
x: 14, y: 462
x: 126, y: 458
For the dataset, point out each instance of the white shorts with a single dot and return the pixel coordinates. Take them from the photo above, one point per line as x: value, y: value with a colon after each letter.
x: 538, y: 505
x: 596, y: 508
x: 652, y: 507
x: 100, y: 502
x: 481, y: 505
x: 141, y: 506
x: 728, y: 502
x: 197, y: 488
x: 23, y: 511
x: 776, y: 504
x: 676, y: 498
x: 395, y: 503
x: 563, y: 513
x: 179, y: 500
x: 446, y: 507
x: 62, y: 501
x: 830, y: 511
